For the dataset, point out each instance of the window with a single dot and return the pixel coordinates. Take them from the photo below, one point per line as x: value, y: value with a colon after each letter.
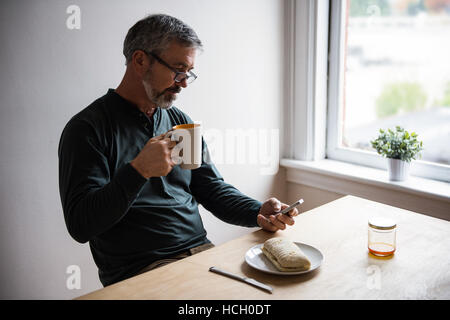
x: 389, y: 65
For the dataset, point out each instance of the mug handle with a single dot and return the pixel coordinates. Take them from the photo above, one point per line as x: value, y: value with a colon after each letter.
x: 178, y: 149
x: 173, y: 136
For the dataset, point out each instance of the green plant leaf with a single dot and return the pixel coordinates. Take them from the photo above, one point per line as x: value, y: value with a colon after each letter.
x: 398, y: 145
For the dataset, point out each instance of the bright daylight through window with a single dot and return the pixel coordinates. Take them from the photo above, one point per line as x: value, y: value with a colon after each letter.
x: 396, y: 71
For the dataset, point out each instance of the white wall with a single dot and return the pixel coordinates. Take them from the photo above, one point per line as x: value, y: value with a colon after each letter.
x: 49, y: 73
x: 315, y: 197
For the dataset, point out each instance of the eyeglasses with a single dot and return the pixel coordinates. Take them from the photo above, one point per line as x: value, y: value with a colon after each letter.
x: 179, y: 76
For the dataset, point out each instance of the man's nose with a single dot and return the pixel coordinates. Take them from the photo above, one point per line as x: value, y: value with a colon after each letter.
x: 182, y: 83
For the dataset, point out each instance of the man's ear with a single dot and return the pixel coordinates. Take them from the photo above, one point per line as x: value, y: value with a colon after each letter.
x: 140, y: 62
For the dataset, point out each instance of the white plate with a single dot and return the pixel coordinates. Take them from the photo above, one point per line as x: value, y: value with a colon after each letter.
x: 256, y: 259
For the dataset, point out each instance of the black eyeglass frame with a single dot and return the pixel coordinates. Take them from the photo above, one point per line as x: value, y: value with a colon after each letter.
x: 185, y: 75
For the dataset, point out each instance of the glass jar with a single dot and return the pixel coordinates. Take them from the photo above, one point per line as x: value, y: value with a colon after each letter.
x: 382, y: 233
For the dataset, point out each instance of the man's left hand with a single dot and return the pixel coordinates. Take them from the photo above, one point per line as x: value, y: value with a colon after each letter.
x: 270, y: 219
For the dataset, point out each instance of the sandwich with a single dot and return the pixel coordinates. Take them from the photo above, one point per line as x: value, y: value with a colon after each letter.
x: 285, y: 255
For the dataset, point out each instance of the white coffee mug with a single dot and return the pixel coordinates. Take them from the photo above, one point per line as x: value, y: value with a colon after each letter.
x: 188, y: 151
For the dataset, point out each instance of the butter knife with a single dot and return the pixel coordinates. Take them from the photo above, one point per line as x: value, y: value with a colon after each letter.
x: 250, y: 281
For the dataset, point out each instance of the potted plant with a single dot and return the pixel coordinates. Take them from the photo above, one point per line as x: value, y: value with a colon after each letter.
x: 399, y: 147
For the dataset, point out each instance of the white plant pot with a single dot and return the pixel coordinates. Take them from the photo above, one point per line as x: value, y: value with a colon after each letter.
x: 398, y: 169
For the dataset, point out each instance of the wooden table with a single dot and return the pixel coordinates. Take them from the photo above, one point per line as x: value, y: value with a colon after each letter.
x: 420, y: 268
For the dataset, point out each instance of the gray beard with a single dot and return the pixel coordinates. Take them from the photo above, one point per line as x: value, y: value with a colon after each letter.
x: 157, y: 98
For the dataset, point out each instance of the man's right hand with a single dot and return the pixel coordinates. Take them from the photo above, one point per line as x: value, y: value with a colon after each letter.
x: 155, y: 160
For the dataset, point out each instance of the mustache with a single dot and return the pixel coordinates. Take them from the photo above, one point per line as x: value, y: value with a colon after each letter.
x: 175, y: 89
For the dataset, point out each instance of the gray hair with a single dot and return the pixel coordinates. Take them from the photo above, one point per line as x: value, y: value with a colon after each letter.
x: 155, y: 32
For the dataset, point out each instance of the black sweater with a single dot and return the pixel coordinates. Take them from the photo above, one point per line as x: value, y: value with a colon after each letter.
x: 128, y: 220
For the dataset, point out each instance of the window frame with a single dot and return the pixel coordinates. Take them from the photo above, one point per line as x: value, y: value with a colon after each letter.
x: 334, y: 151
x: 306, y: 71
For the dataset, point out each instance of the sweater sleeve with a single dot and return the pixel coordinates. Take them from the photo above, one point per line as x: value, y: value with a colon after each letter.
x: 92, y: 200
x: 220, y: 198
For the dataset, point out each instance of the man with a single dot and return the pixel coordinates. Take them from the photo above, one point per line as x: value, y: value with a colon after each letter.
x: 119, y: 187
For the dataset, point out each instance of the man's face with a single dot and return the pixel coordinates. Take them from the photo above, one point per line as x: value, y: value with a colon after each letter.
x: 159, y: 81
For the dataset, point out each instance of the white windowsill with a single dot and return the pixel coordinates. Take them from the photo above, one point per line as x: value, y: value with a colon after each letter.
x: 421, y: 195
